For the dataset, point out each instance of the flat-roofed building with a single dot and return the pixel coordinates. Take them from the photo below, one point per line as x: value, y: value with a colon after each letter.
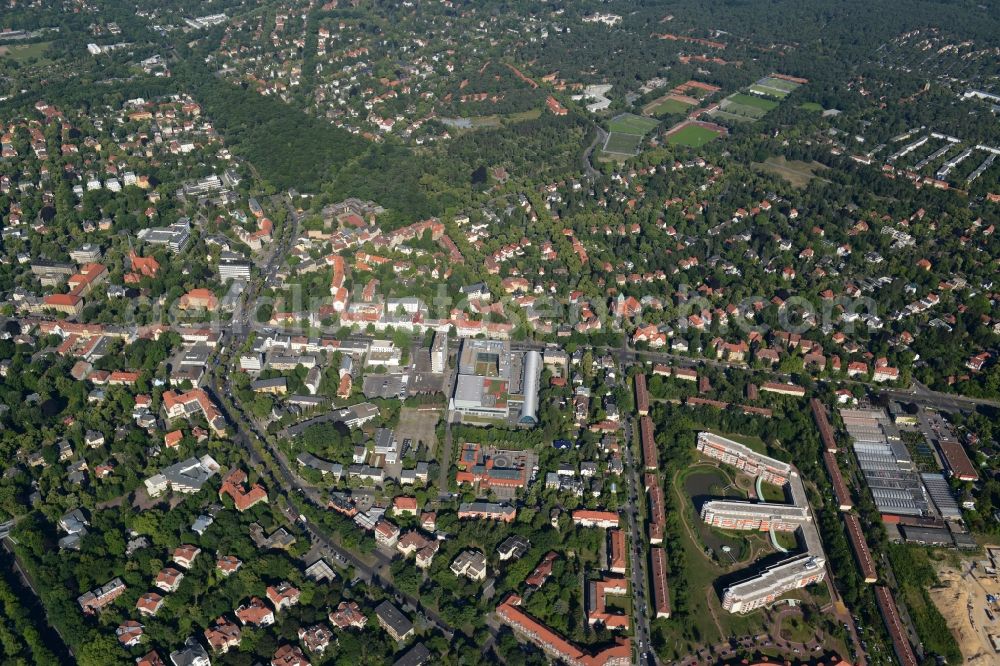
x: 773, y: 582
x: 439, y: 352
x: 487, y: 510
x: 764, y: 516
x: 744, y: 458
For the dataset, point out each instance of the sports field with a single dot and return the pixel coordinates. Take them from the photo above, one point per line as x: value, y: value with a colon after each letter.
x: 773, y: 93
x: 691, y: 135
x: 620, y: 143
x: 764, y: 105
x: 665, y: 105
x: 780, y: 84
x: 627, y: 131
x: 629, y: 123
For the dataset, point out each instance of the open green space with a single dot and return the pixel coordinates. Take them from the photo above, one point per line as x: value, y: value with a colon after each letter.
x: 811, y: 106
x: 741, y: 111
x: 796, y: 172
x: 915, y: 574
x: 23, y: 52
x: 786, y: 540
x: 496, y: 120
x: 629, y: 123
x: 692, y: 136
x: 772, y: 493
x: 794, y: 629
x: 755, y: 443
x: 706, y: 622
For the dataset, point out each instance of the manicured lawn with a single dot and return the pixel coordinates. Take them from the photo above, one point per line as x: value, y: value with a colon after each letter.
x: 753, y: 101
x: 623, y: 144
x: 692, y: 136
x: 811, y: 106
x: 629, y: 123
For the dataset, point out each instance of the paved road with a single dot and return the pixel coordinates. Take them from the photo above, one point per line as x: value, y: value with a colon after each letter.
x: 283, y: 480
x: 588, y: 166
x: 926, y: 397
x: 444, y: 456
x: 640, y: 590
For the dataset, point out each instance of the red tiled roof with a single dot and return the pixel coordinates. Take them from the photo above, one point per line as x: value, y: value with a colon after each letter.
x: 232, y: 485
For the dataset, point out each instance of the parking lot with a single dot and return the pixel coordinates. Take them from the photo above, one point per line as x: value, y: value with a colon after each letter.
x: 417, y: 425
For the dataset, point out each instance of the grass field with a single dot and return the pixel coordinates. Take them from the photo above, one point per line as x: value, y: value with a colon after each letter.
x: 811, y: 106
x: 629, y: 123
x: 795, y: 172
x: 700, y: 627
x: 740, y: 111
x: 691, y: 136
x: 743, y: 99
x: 719, y: 114
x: 623, y: 144
x: 22, y: 52
x: 772, y: 493
x: 768, y: 92
x: 780, y: 84
x: 666, y: 105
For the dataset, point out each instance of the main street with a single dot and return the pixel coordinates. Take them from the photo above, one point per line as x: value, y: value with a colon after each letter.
x: 640, y: 595
x: 282, y: 479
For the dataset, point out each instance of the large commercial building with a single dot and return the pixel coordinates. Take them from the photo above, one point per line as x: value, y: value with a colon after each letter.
x: 745, y: 458
x: 497, y: 383
x: 885, y: 462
